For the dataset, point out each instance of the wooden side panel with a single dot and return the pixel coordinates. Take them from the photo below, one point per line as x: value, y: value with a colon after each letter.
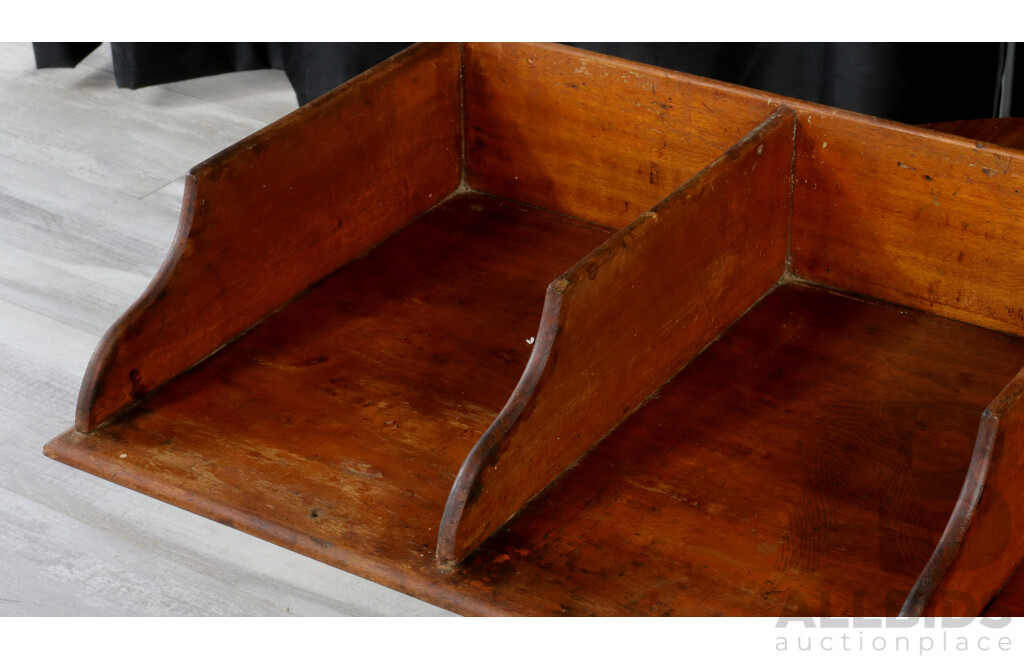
x: 327, y: 182
x: 593, y: 136
x: 623, y: 321
x: 911, y: 216
x: 984, y: 541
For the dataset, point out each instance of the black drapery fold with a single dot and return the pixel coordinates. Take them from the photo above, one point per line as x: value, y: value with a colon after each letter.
x: 63, y: 54
x: 312, y: 68
x: 908, y: 82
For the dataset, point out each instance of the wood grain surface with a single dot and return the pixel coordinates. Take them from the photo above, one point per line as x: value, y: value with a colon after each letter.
x: 934, y: 224
x: 984, y: 540
x: 328, y: 182
x: 624, y: 320
x: 592, y: 136
x: 910, y: 216
x: 855, y: 419
x: 337, y: 426
x: 1006, y: 132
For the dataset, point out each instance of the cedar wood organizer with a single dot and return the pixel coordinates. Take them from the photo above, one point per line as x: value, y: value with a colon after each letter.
x: 527, y: 329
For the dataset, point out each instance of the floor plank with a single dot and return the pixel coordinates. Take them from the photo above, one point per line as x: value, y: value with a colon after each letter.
x: 131, y: 142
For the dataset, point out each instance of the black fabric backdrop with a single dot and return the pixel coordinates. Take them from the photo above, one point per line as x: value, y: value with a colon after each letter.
x: 912, y: 83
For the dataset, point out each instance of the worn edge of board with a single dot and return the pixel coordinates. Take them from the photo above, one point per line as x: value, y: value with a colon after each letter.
x: 967, y: 569
x: 106, y: 391
x: 482, y: 500
x: 72, y: 448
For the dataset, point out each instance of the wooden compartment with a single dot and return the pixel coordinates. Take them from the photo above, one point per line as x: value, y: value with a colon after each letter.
x: 525, y: 329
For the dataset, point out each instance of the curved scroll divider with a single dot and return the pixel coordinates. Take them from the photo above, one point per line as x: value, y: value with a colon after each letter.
x: 280, y: 210
x: 624, y: 320
x: 983, y: 543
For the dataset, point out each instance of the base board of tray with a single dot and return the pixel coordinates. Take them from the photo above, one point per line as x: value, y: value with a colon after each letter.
x: 857, y: 418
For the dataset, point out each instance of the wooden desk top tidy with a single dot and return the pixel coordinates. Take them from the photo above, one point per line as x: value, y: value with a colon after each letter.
x: 523, y: 329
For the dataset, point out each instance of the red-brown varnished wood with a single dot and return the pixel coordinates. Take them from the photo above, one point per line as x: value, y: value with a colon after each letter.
x: 1004, y: 131
x: 806, y: 462
x: 813, y: 453
x: 624, y: 320
x: 1009, y: 601
x: 281, y: 209
x: 337, y: 426
x: 910, y: 216
x: 984, y: 541
x: 593, y: 136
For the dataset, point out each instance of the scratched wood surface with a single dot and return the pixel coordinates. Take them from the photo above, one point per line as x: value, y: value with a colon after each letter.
x: 336, y: 427
x: 595, y: 137
x: 328, y: 181
x: 625, y: 320
x: 988, y: 561
x: 856, y: 419
x: 90, y: 190
x: 921, y: 219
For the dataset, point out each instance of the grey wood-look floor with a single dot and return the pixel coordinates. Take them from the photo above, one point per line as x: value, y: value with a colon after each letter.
x: 91, y: 178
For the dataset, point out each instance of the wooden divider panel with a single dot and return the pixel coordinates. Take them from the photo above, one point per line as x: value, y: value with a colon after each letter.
x: 983, y: 544
x: 624, y: 320
x: 912, y: 216
x: 593, y: 136
x: 271, y: 215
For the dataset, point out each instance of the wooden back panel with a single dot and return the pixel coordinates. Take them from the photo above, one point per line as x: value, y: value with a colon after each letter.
x: 916, y: 217
x: 625, y: 320
x: 984, y: 541
x: 904, y: 214
x: 593, y: 136
x: 278, y: 211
